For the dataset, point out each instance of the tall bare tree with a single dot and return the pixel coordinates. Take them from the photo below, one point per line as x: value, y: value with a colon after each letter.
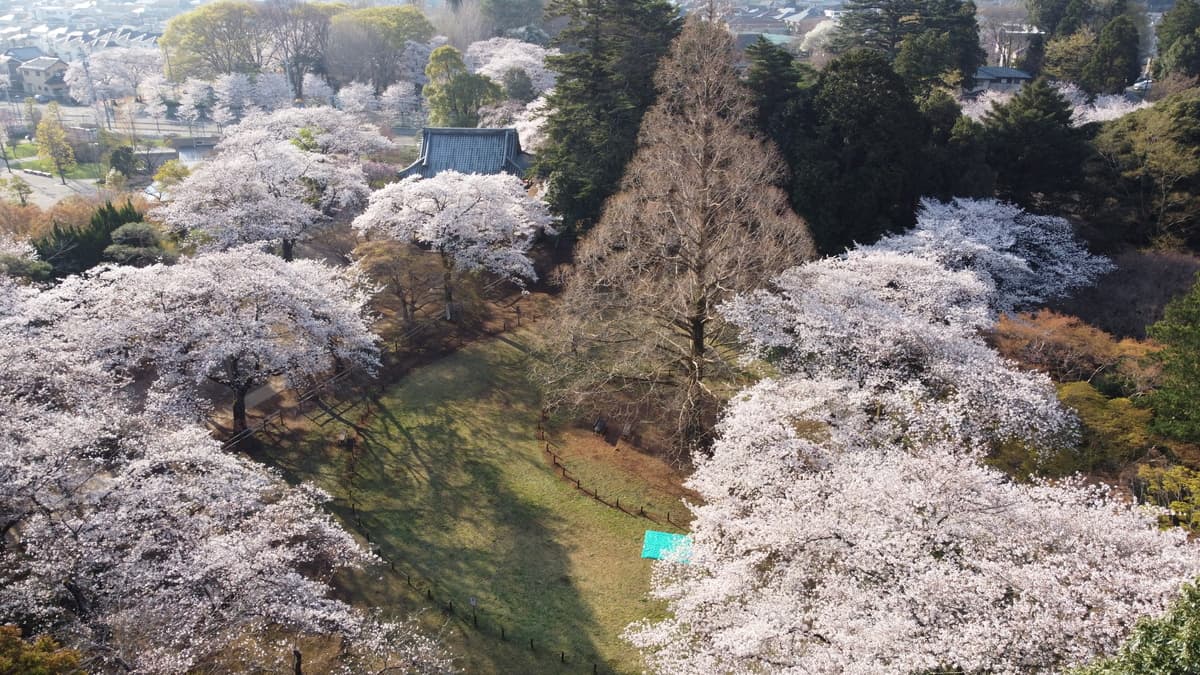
x: 698, y: 218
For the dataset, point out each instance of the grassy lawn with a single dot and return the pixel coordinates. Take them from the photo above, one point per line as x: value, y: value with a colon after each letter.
x: 23, y: 151
x: 81, y: 171
x: 449, y: 482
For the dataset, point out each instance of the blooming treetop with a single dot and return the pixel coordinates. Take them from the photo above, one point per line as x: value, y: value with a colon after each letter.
x: 400, y: 98
x: 808, y: 557
x: 262, y: 189
x: 528, y: 119
x: 236, y: 318
x: 115, y: 73
x: 1102, y: 108
x: 232, y: 92
x: 847, y: 523
x: 900, y: 332
x: 332, y: 131
x: 495, y: 57
x: 477, y: 222
x: 272, y: 91
x: 357, y: 98
x: 1027, y: 258
x: 193, y: 100
x: 316, y: 90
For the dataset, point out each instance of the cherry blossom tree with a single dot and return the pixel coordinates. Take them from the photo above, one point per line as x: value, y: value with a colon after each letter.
x: 497, y: 56
x: 112, y: 73
x: 811, y: 557
x: 232, y: 93
x: 134, y: 538
x: 400, y: 99
x: 1028, y: 258
x: 326, y: 130
x: 357, y: 98
x: 316, y: 90
x: 236, y: 318
x: 272, y: 91
x: 904, y: 331
x: 848, y: 523
x: 259, y: 189
x: 152, y: 91
x: 194, y: 97
x: 473, y: 222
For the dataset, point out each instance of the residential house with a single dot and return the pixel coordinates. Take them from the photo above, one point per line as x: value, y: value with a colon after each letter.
x: 483, y: 151
x: 44, y: 75
x: 997, y: 78
x: 12, y: 60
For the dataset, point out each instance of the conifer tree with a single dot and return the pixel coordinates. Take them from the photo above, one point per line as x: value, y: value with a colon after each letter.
x: 1114, y: 64
x: 611, y: 49
x: 698, y: 218
x: 1032, y: 145
x: 1177, y: 402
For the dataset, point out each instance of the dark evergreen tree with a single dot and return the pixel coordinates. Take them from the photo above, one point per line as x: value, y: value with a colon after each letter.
x: 1180, y: 21
x: 1179, y: 40
x: 880, y: 25
x: 956, y: 157
x: 943, y: 35
x: 856, y: 159
x: 1115, y: 63
x: 71, y: 251
x: 1032, y: 145
x: 1074, y: 17
x: 611, y: 49
x: 776, y: 82
x: 1177, y: 401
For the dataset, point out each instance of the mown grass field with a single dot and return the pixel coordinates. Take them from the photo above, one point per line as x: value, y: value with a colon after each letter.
x: 450, y: 482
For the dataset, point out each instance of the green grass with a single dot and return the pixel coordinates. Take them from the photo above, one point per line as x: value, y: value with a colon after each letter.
x: 81, y: 171
x: 23, y: 151
x: 451, y: 483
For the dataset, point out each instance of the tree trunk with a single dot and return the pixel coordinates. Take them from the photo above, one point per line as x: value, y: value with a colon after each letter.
x: 239, y: 411
x: 446, y: 287
x: 297, y: 662
x: 288, y: 249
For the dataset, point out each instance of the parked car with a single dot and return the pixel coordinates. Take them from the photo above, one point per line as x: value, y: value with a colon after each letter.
x: 42, y: 98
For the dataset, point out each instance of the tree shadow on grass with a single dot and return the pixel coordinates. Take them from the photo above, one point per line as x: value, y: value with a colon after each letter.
x: 442, y: 487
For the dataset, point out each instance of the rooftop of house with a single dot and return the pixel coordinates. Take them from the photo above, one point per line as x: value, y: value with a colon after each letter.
x: 482, y: 151
x: 24, y: 54
x: 999, y: 72
x: 42, y: 63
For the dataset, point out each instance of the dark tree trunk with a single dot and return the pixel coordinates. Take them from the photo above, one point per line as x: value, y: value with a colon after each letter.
x: 239, y: 411
x: 288, y: 249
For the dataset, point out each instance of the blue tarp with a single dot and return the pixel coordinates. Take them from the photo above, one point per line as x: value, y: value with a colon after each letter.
x: 665, y: 545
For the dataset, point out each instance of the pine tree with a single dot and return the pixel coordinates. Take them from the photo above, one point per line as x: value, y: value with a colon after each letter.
x: 776, y: 81
x: 1114, y: 64
x: 1176, y: 402
x: 1179, y: 40
x: 1032, y: 145
x: 71, y: 251
x: 858, y: 163
x: 611, y: 49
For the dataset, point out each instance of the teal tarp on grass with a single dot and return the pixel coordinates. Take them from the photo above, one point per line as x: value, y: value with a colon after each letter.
x: 660, y: 545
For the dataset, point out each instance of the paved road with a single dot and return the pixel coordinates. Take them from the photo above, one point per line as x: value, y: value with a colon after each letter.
x: 47, y: 191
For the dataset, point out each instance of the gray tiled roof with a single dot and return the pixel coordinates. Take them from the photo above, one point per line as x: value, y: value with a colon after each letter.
x: 998, y: 72
x: 484, y: 151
